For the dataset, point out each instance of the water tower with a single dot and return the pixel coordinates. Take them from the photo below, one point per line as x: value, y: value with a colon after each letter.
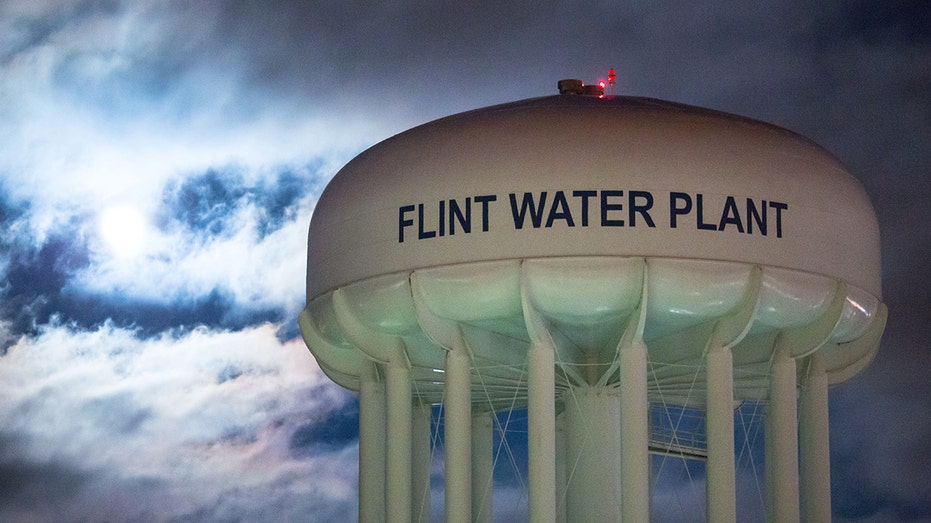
x: 586, y: 256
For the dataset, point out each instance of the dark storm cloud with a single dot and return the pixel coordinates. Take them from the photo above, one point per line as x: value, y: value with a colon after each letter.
x: 209, y: 204
x: 147, y: 318
x: 151, y: 318
x: 329, y: 431
x: 881, y: 442
x: 355, y: 48
x: 855, y: 496
x: 280, y: 201
x: 422, y: 59
x: 204, y: 204
x: 40, y: 278
x: 39, y: 271
x: 29, y: 32
x: 9, y: 213
x: 27, y: 483
x: 35, y: 276
x: 775, y: 61
x: 118, y: 77
x: 37, y: 291
x: 877, y: 22
x: 869, y: 103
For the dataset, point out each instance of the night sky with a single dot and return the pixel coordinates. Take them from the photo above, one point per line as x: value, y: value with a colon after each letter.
x: 160, y: 162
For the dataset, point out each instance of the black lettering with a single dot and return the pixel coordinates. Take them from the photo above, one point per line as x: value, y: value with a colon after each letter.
x: 675, y: 210
x: 402, y: 222
x: 606, y: 207
x: 442, y: 227
x: 527, y: 205
x: 421, y: 234
x: 455, y: 215
x: 484, y: 201
x: 701, y: 223
x: 730, y: 215
x: 779, y: 208
x: 756, y: 216
x: 584, y: 195
x: 643, y: 209
x: 559, y: 202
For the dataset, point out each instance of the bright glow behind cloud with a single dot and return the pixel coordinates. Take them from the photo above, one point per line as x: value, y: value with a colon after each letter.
x: 123, y: 230
x: 256, y: 271
x: 101, y: 113
x: 114, y: 104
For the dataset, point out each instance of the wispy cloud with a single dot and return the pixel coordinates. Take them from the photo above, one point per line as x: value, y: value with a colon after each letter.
x: 211, y: 422
x: 218, y: 249
x: 218, y: 233
x: 111, y: 105
x: 107, y: 103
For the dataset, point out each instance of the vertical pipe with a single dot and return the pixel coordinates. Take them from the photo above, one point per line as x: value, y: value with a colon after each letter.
x: 815, y: 444
x: 769, y: 472
x: 420, y: 464
x: 635, y: 433
x: 482, y: 466
x: 398, y: 465
x: 782, y: 453
x: 541, y: 440
x: 719, y: 419
x: 371, y: 448
x: 593, y: 459
x: 458, y: 433
x: 561, y: 444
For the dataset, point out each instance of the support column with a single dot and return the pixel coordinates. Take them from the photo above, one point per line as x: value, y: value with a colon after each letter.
x: 398, y: 445
x: 458, y: 433
x: 782, y: 442
x: 371, y: 448
x: 635, y: 433
x: 482, y: 466
x: 561, y: 438
x: 815, y: 444
x: 541, y: 440
x: 593, y: 467
x: 420, y: 464
x: 719, y: 428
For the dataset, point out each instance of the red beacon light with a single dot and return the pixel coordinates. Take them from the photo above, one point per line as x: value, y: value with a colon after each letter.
x: 578, y: 87
x: 601, y: 88
x: 594, y: 90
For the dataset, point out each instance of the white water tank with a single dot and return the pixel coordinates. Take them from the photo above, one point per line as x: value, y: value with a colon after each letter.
x: 592, y: 229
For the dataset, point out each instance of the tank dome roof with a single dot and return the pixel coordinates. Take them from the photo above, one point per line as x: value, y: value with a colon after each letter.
x: 572, y: 175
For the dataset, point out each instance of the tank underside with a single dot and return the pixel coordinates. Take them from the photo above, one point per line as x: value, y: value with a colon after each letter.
x: 586, y: 309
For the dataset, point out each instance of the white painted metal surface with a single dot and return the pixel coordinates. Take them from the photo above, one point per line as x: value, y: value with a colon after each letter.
x: 549, y: 251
